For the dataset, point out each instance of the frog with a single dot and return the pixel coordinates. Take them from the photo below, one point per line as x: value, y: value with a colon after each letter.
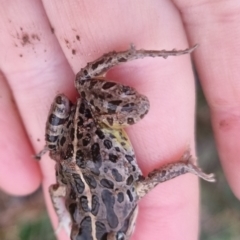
x: 97, y: 173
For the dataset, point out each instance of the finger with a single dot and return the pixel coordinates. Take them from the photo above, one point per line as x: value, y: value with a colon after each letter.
x: 218, y: 66
x: 36, y: 70
x: 18, y: 175
x: 163, y: 135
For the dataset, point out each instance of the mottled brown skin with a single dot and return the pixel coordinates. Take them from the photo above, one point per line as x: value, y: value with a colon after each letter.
x: 96, y: 168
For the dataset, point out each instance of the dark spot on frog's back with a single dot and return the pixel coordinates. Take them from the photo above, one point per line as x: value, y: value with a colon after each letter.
x: 85, y: 230
x: 95, y: 205
x: 88, y: 114
x: 100, y: 133
x: 108, y: 85
x: 82, y: 108
x: 129, y: 158
x: 90, y: 180
x: 113, y: 158
x: 95, y: 149
x: 107, y: 183
x: 117, y: 149
x: 117, y: 176
x: 72, y: 133
x: 78, y: 183
x: 120, y: 197
x: 109, y: 201
x: 101, y: 231
x: 130, y: 195
x: 80, y: 159
x: 86, y: 140
x: 129, y: 180
x: 80, y: 121
x: 72, y: 193
x: 84, y: 203
x: 107, y: 143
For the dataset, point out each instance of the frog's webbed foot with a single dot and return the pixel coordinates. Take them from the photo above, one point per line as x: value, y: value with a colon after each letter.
x: 170, y: 171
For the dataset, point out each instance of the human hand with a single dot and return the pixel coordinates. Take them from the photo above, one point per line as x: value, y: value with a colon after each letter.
x: 38, y: 64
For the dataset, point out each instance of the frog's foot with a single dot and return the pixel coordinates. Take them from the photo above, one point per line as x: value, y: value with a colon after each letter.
x: 193, y: 168
x: 170, y: 171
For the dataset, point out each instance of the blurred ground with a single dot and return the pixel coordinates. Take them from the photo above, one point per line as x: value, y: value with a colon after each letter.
x: 25, y: 218
x: 220, y: 210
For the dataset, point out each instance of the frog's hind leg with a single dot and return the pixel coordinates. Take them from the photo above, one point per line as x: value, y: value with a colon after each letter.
x: 170, y: 171
x: 100, y: 66
x: 114, y: 104
x: 58, y: 115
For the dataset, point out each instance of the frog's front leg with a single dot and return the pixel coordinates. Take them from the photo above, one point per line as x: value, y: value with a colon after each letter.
x: 170, y: 171
x: 58, y: 115
x: 57, y: 193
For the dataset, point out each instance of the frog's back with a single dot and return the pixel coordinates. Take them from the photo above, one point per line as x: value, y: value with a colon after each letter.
x: 100, y: 171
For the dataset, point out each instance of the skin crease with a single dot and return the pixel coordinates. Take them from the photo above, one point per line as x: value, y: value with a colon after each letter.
x: 37, y: 64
